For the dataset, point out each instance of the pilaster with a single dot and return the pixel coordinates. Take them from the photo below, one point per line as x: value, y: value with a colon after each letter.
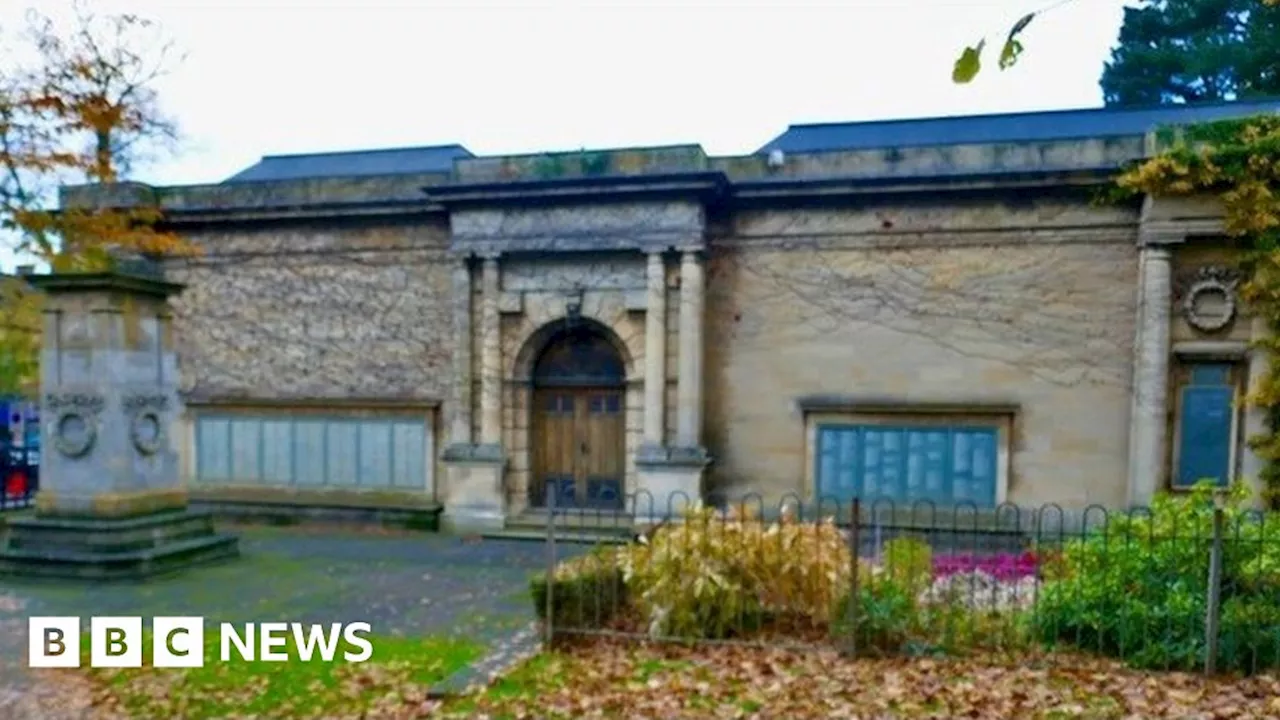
x: 689, y: 389
x: 490, y: 354
x: 655, y: 351
x: 1255, y: 418
x: 460, y: 397
x: 1150, y: 401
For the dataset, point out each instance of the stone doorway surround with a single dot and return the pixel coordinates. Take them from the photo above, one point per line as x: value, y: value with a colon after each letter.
x: 519, y: 273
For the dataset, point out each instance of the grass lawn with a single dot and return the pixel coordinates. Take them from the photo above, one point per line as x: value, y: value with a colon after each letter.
x: 607, y: 679
x: 397, y: 676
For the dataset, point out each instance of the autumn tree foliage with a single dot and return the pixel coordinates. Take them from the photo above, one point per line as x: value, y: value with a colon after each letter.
x: 78, y: 105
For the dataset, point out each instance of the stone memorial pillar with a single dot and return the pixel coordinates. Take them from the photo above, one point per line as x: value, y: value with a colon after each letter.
x: 111, y: 503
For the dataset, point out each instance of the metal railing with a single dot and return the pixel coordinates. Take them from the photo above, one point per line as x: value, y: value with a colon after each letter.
x: 19, y: 477
x: 1190, y: 584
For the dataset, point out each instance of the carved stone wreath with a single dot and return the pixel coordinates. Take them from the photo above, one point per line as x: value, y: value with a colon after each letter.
x: 1199, y: 289
x: 75, y: 429
x: 146, y: 431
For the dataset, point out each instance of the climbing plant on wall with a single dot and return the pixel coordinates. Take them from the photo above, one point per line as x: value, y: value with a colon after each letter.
x: 1239, y: 162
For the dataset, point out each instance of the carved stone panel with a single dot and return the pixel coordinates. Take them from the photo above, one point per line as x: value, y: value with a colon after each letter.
x: 1207, y: 297
x: 567, y: 274
x: 579, y: 228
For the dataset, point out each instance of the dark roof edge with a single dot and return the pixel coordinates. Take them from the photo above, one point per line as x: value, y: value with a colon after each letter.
x: 269, y: 213
x: 1128, y: 136
x: 1060, y: 111
x: 371, y: 151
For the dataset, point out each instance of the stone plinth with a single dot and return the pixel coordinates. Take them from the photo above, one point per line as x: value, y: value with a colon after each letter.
x: 111, y: 503
x: 474, y: 494
x: 668, y: 480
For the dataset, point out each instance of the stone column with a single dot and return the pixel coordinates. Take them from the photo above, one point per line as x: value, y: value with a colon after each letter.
x: 1255, y: 418
x: 655, y: 352
x: 689, y: 390
x: 1150, y: 399
x: 460, y: 425
x: 490, y: 357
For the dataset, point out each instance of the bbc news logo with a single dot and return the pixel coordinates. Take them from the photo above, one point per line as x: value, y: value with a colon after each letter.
x: 178, y: 642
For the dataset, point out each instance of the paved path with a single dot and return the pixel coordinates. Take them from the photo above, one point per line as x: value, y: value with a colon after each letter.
x: 400, y: 583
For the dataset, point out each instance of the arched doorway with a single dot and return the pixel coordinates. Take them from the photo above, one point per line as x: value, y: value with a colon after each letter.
x: 578, y: 423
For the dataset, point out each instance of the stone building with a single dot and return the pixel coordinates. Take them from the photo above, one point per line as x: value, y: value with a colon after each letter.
x: 919, y: 309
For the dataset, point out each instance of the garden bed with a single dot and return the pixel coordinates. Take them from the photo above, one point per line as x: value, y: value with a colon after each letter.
x: 1134, y: 588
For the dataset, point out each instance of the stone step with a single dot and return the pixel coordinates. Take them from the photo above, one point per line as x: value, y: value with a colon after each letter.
x: 107, y: 536
x: 562, y: 536
x: 129, y: 565
x: 150, y: 520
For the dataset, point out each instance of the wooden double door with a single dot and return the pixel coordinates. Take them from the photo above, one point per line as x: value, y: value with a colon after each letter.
x: 578, y: 447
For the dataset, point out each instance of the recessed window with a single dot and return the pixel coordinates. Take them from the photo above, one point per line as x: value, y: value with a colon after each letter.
x: 906, y: 462
x: 1205, y: 448
x: 303, y: 451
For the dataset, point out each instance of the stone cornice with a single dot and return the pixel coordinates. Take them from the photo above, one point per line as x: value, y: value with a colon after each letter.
x: 877, y: 405
x: 702, y: 186
x: 410, y: 195
x: 1175, y: 232
x: 1211, y: 349
x: 186, y: 219
x: 253, y: 201
x: 786, y: 189
x: 56, y: 283
x: 209, y: 402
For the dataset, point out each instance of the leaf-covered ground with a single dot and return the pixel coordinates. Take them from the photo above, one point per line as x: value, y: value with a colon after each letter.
x: 618, y: 680
x: 615, y: 680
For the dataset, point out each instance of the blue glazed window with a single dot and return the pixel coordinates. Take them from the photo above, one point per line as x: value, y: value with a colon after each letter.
x: 945, y: 465
x: 1206, y: 422
x: 277, y: 450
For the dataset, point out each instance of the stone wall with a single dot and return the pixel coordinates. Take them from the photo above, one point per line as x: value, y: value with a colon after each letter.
x: 1027, y: 304
x: 325, y: 311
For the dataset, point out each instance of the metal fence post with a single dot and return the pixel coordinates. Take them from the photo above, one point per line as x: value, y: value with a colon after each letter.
x: 855, y: 520
x: 1213, y: 608
x: 549, y: 625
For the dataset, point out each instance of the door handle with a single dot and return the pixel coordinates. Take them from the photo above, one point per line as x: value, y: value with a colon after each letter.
x: 585, y: 450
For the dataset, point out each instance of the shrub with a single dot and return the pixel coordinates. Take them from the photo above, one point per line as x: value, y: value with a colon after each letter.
x: 1137, y: 588
x: 712, y: 576
x: 588, y: 591
x: 887, y: 616
x: 909, y: 561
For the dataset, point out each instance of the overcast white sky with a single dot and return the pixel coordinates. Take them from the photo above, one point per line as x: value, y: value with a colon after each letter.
x: 285, y: 76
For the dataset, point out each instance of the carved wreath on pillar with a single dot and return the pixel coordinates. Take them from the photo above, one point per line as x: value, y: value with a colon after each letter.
x: 75, y: 425
x: 145, y: 428
x: 1208, y: 297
